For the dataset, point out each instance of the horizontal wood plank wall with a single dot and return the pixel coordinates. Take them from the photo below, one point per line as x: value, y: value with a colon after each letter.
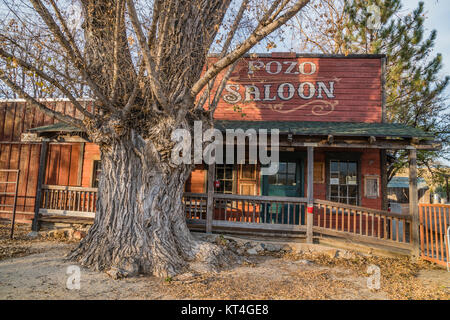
x: 91, y: 153
x: 370, y: 166
x: 62, y: 164
x: 357, y: 90
x: 15, y: 119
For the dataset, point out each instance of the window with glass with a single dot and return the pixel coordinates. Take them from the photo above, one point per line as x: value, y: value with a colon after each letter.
x: 343, y: 183
x: 224, y: 174
x: 285, y: 175
x: 96, y: 171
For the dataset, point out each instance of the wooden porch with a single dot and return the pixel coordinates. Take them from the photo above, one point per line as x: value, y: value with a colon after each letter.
x: 253, y: 215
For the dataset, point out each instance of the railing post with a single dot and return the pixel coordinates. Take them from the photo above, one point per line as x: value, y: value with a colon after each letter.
x: 413, y: 201
x: 41, y: 175
x: 210, y: 199
x: 310, y: 196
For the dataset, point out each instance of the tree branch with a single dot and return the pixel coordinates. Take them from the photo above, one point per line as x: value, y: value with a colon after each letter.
x: 21, y: 93
x: 72, y: 51
x: 225, y: 48
x: 150, y: 64
x: 253, y: 39
x: 119, y: 11
x: 52, y: 81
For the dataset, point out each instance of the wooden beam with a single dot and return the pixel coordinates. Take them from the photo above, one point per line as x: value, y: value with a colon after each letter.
x: 67, y: 213
x: 80, y: 164
x: 413, y: 201
x: 379, y: 144
x: 210, y: 199
x: 40, y: 182
x: 353, y: 237
x: 310, y: 195
x: 384, y: 182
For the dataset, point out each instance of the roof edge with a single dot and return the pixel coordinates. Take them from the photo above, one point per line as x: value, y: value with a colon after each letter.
x: 283, y: 55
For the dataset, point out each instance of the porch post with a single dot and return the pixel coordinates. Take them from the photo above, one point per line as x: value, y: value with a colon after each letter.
x: 310, y: 195
x: 210, y: 199
x: 384, y: 182
x: 413, y: 201
x: 40, y: 182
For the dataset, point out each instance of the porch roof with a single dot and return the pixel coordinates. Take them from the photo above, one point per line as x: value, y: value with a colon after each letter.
x: 307, y: 128
x: 316, y: 128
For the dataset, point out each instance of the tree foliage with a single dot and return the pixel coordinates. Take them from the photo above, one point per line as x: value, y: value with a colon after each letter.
x: 415, y: 86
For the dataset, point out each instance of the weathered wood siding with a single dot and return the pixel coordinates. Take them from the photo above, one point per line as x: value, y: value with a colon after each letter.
x: 345, y: 90
x: 370, y: 166
x: 15, y: 118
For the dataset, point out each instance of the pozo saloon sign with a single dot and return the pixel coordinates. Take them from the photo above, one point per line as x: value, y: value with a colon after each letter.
x: 318, y: 93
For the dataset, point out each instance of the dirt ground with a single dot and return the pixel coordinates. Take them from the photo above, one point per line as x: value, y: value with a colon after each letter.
x: 35, y: 269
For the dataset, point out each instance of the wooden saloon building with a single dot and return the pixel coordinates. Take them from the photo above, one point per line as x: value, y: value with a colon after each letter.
x: 330, y: 112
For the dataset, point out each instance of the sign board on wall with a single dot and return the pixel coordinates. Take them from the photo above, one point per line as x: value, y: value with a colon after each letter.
x: 303, y: 89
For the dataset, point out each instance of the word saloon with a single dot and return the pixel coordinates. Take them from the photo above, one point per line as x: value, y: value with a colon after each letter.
x: 262, y: 91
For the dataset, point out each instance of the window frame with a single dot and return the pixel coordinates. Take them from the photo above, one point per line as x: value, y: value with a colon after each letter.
x: 344, y: 156
x: 366, y: 179
x: 93, y: 175
x: 233, y: 178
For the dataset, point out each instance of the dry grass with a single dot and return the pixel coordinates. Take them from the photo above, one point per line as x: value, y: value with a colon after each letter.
x: 311, y: 284
x: 17, y: 247
x: 399, y: 276
x: 274, y: 276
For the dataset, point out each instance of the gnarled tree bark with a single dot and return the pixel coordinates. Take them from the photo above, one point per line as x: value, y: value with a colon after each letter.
x: 140, y: 224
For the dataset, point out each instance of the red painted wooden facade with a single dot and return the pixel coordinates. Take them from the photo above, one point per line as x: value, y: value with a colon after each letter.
x: 62, y: 160
x: 303, y: 89
x: 345, y: 90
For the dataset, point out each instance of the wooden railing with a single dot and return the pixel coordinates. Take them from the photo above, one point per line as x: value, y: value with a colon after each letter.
x: 434, y: 223
x: 258, y: 213
x: 255, y: 212
x: 361, y: 222
x: 68, y: 201
x: 195, y: 206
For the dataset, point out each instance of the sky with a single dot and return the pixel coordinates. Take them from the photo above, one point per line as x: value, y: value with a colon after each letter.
x: 438, y: 14
x: 438, y: 18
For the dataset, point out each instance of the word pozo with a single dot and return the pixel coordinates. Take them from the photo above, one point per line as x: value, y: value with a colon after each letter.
x: 284, y: 91
x: 209, y: 147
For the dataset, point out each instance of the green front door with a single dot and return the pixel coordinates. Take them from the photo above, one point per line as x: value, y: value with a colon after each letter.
x: 287, y: 182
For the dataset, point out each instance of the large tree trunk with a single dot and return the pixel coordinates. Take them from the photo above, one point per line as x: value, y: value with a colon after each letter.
x: 140, y: 224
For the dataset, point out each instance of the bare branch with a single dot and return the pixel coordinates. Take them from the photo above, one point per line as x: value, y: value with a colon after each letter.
x: 21, y: 93
x: 223, y: 82
x: 253, y: 39
x: 150, y: 64
x: 119, y: 10
x: 72, y: 51
x: 44, y: 76
x: 225, y: 48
